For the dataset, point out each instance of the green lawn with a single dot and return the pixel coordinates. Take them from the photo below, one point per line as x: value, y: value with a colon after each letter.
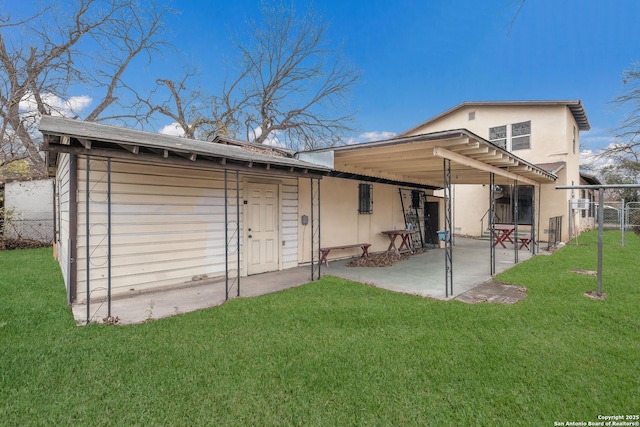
x: 331, y: 353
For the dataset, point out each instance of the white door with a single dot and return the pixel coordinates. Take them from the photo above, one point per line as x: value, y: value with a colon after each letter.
x: 262, y: 228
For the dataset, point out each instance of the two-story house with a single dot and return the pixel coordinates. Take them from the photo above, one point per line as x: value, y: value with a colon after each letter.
x: 545, y: 133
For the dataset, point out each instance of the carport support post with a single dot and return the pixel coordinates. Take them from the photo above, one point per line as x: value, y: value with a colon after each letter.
x: 515, y: 221
x: 492, y: 211
x: 448, y: 232
x: 539, y: 212
x: 533, y: 221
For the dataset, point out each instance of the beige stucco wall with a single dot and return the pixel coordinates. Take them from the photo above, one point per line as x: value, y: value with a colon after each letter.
x: 342, y: 224
x: 551, y: 141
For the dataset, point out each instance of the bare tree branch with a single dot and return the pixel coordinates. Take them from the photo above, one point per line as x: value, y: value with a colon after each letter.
x: 82, y: 42
x: 624, y: 153
x: 292, y: 85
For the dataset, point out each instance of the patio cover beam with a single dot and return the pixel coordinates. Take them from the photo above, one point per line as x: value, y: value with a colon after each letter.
x: 458, y: 158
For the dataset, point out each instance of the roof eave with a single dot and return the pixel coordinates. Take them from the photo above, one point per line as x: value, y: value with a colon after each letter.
x: 575, y: 106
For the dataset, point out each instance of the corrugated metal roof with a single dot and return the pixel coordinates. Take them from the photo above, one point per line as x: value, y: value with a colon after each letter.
x: 575, y: 106
x: 89, y: 135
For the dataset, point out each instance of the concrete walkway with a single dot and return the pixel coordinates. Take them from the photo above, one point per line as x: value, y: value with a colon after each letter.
x: 421, y: 274
x: 145, y: 306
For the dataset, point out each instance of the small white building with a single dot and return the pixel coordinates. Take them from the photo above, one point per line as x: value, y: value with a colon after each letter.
x: 29, y: 209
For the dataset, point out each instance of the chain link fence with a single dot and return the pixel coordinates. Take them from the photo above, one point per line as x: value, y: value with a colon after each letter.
x: 633, y: 217
x: 38, y: 230
x: 613, y: 215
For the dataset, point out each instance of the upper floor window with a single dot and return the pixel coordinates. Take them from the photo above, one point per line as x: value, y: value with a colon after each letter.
x: 498, y: 135
x: 521, y: 135
x: 574, y: 140
x: 512, y: 137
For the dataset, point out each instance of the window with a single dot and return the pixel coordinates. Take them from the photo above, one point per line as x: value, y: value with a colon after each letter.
x: 574, y: 140
x: 513, y: 137
x: 498, y: 135
x: 415, y: 199
x: 472, y: 115
x: 365, y: 200
x: 521, y: 136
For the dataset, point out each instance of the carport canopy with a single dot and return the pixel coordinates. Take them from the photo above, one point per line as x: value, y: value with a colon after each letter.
x: 419, y: 160
x: 438, y: 160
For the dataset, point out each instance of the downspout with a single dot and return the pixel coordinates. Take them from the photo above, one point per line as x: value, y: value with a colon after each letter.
x: 73, y: 229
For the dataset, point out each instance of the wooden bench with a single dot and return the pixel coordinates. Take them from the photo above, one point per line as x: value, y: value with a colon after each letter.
x: 524, y: 241
x: 324, y: 252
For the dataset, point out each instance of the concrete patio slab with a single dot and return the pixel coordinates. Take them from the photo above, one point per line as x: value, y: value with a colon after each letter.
x: 424, y: 274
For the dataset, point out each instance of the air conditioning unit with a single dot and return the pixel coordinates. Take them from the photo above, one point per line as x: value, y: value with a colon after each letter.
x: 580, y: 204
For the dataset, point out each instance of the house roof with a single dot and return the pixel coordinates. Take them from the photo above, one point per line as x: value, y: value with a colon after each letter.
x: 575, y: 106
x: 590, y: 179
x: 553, y: 168
x: 419, y: 159
x: 79, y: 137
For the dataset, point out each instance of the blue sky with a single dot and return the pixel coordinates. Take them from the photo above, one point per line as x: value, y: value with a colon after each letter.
x: 419, y: 58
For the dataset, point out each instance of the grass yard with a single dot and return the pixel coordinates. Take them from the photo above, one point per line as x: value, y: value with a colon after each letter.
x: 331, y: 353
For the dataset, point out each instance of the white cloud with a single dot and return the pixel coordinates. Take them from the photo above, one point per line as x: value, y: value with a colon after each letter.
x: 58, y: 106
x: 370, y: 137
x: 172, y: 129
x: 272, y: 139
x: 593, y: 160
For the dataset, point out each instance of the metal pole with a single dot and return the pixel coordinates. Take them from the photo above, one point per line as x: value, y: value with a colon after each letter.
x: 311, y: 229
x: 570, y: 219
x: 87, y: 231
x: 238, y: 230
x: 226, y: 237
x: 492, y: 209
x: 315, y: 232
x: 515, y: 221
x: 539, y: 209
x: 448, y: 250
x: 109, y: 236
x: 319, y: 235
x: 600, y: 236
x: 55, y: 218
x: 533, y: 221
x: 623, y: 222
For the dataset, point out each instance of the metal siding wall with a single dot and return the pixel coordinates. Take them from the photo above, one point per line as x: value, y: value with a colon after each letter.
x: 62, y: 187
x: 167, y: 226
x: 290, y: 223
